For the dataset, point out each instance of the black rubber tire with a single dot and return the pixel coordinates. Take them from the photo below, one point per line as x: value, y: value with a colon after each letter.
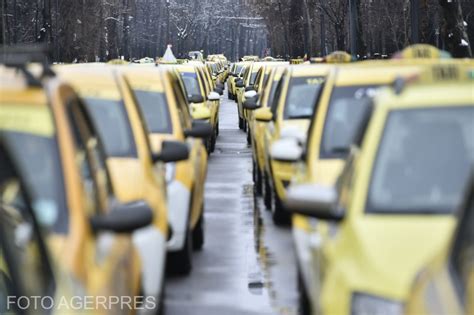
x: 181, y: 262
x: 241, y: 123
x: 213, y: 143
x: 279, y: 215
x: 257, y: 179
x: 267, y: 192
x: 304, y: 303
x: 229, y: 96
x: 198, y: 233
x: 217, y: 129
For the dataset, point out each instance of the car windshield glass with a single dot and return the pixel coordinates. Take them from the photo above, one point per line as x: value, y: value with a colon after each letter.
x: 38, y: 162
x: 239, y: 68
x: 111, y: 119
x: 253, y: 76
x: 345, y: 112
x: 302, y: 95
x: 423, y: 162
x: 155, y: 111
x: 191, y: 83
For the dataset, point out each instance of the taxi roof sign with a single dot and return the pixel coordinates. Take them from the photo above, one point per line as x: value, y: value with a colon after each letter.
x: 338, y: 57
x: 422, y: 51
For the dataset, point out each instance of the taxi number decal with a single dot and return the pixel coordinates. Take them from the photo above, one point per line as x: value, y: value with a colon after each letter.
x: 445, y: 73
x: 315, y: 81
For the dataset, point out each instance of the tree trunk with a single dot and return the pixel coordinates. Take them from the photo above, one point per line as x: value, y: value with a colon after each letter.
x: 454, y: 30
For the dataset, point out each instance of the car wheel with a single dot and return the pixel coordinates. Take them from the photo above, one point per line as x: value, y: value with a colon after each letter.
x: 279, y: 215
x: 213, y: 143
x: 249, y: 138
x: 244, y: 125
x: 241, y: 123
x: 217, y: 129
x: 198, y: 233
x: 304, y: 304
x: 181, y: 262
x: 267, y: 192
x: 229, y: 96
x: 257, y: 179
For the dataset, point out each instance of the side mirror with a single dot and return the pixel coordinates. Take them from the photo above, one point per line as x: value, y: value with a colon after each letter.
x: 263, y: 114
x: 219, y: 91
x: 250, y: 94
x: 195, y: 98
x: 239, y: 84
x: 286, y: 150
x: 249, y: 88
x: 124, y: 218
x: 172, y: 151
x: 250, y: 104
x: 214, y: 96
x: 313, y: 200
x: 199, y: 130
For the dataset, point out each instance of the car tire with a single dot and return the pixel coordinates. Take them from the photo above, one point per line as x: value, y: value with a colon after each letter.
x: 257, y: 179
x: 213, y: 143
x: 244, y: 123
x: 217, y: 129
x: 241, y: 123
x: 304, y: 303
x: 279, y: 215
x: 198, y: 233
x: 229, y: 96
x: 249, y: 138
x: 181, y: 262
x: 267, y: 192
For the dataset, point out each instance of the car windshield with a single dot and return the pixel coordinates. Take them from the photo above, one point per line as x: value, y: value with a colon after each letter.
x: 253, y: 76
x: 113, y: 125
x: 345, y: 112
x: 155, y: 111
x: 38, y: 161
x: 191, y: 83
x: 302, y: 95
x: 423, y: 162
x: 239, y: 68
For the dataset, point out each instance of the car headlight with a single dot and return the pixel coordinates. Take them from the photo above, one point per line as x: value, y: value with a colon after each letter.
x: 365, y: 304
x: 170, y: 171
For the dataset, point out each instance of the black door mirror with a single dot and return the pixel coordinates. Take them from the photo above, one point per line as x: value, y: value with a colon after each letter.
x: 219, y: 91
x: 251, y: 104
x: 249, y: 88
x: 172, y: 151
x: 195, y: 98
x: 199, y: 130
x: 124, y: 218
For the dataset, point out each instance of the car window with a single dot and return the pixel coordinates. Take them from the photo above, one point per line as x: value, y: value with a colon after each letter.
x: 113, y: 125
x: 423, y: 161
x: 462, y: 255
x: 276, y: 97
x: 343, y: 117
x: 24, y: 264
x: 301, y: 97
x: 155, y: 111
x: 36, y: 153
x: 191, y: 83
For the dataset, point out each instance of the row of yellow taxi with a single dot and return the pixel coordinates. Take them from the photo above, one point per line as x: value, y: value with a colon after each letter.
x: 372, y: 164
x: 102, y: 180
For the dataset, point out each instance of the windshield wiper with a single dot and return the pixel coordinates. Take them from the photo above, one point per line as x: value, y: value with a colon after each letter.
x: 340, y: 150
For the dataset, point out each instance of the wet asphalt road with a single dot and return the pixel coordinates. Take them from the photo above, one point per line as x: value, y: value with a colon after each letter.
x: 247, y: 265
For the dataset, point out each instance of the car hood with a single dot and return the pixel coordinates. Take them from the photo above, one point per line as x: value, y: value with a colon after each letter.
x: 381, y: 254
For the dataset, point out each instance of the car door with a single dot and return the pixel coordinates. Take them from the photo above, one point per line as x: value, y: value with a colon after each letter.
x: 114, y: 253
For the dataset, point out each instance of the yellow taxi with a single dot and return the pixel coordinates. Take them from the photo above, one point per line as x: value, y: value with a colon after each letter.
x: 68, y: 189
x: 288, y: 116
x: 235, y: 73
x: 403, y: 179
x: 204, y: 106
x: 244, y: 85
x: 136, y: 173
x: 446, y: 285
x: 257, y: 127
x: 167, y: 117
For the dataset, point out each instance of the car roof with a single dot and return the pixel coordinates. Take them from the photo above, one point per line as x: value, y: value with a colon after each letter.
x: 349, y: 75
